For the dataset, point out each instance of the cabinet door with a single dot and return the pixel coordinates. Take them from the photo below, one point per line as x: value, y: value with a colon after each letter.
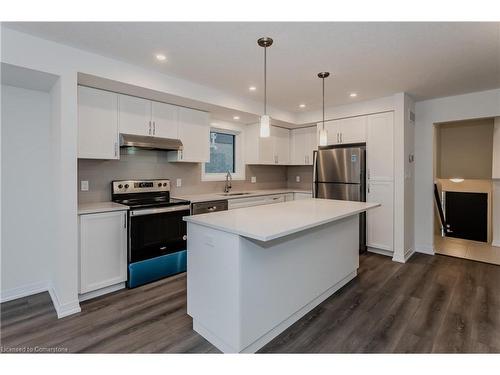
x: 299, y: 142
x: 135, y: 115
x: 379, y: 221
x: 97, y: 124
x: 311, y: 144
x: 380, y: 147
x: 103, y: 250
x: 353, y: 130
x: 281, y: 140
x: 333, y: 132
x: 298, y: 196
x: 165, y: 120
x: 194, y: 132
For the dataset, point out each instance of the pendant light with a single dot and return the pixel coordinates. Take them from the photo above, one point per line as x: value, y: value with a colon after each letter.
x: 323, y: 134
x: 265, y: 121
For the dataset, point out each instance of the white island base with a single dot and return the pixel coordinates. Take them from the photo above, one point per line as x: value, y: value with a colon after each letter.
x: 243, y: 292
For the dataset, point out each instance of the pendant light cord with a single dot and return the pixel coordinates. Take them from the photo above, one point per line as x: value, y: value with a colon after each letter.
x: 265, y: 80
x: 323, y: 103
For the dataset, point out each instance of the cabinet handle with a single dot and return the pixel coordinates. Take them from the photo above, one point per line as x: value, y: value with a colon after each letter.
x: 125, y: 220
x: 341, y: 140
x: 368, y: 188
x: 154, y: 127
x: 116, y: 149
x: 149, y: 128
x: 338, y: 138
x: 368, y: 173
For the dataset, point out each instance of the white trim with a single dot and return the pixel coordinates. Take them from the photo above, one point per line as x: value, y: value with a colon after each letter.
x: 495, y: 243
x: 424, y: 249
x: 65, y: 309
x: 408, y: 254
x: 100, y: 292
x: 386, y: 253
x: 23, y: 291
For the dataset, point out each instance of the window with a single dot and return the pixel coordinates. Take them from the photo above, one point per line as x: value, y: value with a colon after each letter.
x: 226, y: 152
x: 222, y: 153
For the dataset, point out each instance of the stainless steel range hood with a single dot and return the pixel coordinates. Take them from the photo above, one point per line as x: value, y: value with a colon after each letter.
x: 151, y: 143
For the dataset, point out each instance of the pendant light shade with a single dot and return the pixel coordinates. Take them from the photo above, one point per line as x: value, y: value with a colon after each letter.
x: 323, y: 134
x: 265, y: 120
x: 265, y: 126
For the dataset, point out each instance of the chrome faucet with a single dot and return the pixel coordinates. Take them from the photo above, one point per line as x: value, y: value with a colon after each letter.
x: 229, y: 180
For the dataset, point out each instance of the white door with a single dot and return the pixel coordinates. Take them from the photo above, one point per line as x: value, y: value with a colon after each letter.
x: 353, y: 130
x: 194, y: 132
x: 299, y: 142
x: 103, y: 250
x: 135, y: 115
x: 97, y: 124
x: 380, y: 147
x: 281, y: 138
x: 165, y: 120
x: 379, y: 221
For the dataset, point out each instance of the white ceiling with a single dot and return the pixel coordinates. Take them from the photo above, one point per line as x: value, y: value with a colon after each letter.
x: 373, y: 59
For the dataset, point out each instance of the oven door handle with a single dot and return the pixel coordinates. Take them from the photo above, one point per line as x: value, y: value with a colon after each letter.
x: 151, y: 211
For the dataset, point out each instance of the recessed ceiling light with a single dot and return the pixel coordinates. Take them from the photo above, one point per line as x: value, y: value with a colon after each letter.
x: 161, y: 57
x: 302, y: 105
x: 353, y: 94
x: 236, y: 117
x: 252, y: 88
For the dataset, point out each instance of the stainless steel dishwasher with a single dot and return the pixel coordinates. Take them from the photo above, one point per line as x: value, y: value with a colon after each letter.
x: 207, y: 207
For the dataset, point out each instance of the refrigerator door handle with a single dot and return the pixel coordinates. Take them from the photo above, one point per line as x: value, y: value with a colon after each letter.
x: 315, y: 157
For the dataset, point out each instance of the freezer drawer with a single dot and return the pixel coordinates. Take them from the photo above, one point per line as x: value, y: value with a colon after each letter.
x: 346, y: 192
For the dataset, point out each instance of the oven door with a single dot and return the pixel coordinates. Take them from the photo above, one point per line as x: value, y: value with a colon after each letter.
x: 157, y: 231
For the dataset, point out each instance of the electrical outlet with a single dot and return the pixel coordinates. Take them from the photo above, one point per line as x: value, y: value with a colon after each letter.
x: 297, y: 178
x: 178, y: 182
x: 84, y: 185
x: 253, y: 179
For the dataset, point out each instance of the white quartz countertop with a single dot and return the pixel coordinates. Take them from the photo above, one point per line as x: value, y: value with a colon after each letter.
x: 196, y: 198
x: 97, y: 207
x: 268, y: 222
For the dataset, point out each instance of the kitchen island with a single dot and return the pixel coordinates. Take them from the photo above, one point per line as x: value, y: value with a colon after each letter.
x: 252, y: 272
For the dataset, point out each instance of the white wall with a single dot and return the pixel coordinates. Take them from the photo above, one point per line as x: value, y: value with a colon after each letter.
x: 28, y: 200
x: 452, y: 108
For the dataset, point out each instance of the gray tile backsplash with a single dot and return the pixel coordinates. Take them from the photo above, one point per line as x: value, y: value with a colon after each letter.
x: 143, y: 164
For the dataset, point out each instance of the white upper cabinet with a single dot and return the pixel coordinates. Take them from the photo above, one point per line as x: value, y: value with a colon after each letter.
x: 135, y: 116
x: 302, y: 144
x: 194, y: 133
x: 165, y: 120
x: 496, y: 149
x: 281, y: 138
x: 97, y: 124
x: 380, y: 147
x: 274, y: 149
x: 352, y: 130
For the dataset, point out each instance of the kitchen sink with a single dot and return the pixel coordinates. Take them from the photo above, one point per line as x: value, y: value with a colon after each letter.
x: 232, y: 194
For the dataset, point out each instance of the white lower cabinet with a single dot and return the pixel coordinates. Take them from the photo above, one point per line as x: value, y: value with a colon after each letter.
x: 297, y: 196
x: 256, y: 201
x: 103, y: 250
x: 380, y: 220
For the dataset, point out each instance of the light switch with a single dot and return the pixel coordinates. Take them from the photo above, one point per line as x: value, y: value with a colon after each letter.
x: 84, y: 185
x: 253, y: 179
x: 179, y: 182
x: 297, y: 178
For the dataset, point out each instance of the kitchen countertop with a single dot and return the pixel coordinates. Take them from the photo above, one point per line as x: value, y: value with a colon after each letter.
x: 196, y: 198
x: 268, y: 222
x: 97, y: 207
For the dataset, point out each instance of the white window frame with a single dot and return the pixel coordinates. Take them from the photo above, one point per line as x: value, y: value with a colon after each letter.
x: 239, y: 160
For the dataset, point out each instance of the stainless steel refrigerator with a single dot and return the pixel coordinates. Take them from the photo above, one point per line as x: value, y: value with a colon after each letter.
x: 339, y: 172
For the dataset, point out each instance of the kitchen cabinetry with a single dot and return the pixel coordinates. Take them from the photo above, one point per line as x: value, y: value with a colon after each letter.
x: 344, y: 131
x: 496, y: 149
x: 274, y: 149
x: 297, y: 196
x: 380, y: 220
x: 303, y: 142
x: 103, y: 250
x: 380, y: 147
x: 194, y: 133
x: 256, y: 201
x: 97, y: 124
x: 144, y: 117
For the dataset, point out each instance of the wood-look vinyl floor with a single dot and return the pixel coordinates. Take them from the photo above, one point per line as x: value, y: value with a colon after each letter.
x: 430, y: 304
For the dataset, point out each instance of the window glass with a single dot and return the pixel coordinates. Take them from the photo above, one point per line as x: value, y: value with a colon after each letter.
x: 222, y: 151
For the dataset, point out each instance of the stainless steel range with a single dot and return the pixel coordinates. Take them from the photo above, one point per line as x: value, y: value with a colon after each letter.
x: 156, y: 232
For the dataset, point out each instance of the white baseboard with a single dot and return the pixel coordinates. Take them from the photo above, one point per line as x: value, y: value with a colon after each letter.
x: 387, y: 253
x: 495, y: 243
x: 23, y: 291
x: 101, y: 292
x: 66, y: 309
x: 425, y: 249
